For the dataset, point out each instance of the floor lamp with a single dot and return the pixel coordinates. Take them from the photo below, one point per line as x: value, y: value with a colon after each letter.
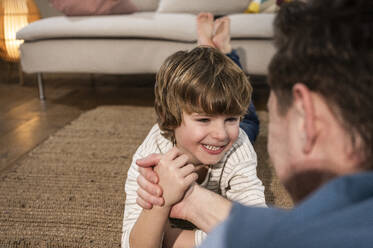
x: 14, y: 15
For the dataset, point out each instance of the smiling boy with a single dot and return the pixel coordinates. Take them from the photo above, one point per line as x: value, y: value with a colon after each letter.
x: 206, y: 138
x: 200, y: 97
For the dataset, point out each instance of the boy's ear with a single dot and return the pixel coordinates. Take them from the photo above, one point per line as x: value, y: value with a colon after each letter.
x: 304, y: 107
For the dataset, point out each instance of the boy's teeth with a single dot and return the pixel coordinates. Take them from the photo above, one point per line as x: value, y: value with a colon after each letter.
x: 213, y: 148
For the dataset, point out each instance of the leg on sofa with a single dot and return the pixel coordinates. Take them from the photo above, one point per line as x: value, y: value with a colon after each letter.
x: 41, y: 86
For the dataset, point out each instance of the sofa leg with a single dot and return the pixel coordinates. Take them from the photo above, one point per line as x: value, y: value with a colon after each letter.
x: 92, y: 80
x: 20, y: 74
x: 41, y: 86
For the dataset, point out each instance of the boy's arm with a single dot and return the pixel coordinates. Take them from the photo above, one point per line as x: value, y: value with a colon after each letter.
x: 176, y: 237
x: 175, y: 177
x: 172, y: 237
x: 141, y: 228
x: 148, y: 230
x: 131, y: 210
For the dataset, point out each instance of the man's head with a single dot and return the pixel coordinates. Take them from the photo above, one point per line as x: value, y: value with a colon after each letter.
x: 202, y: 81
x: 321, y: 80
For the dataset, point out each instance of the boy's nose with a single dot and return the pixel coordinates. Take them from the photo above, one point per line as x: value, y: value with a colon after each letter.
x: 219, y: 132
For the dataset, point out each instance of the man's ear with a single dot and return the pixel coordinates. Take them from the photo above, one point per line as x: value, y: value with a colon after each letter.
x: 304, y: 105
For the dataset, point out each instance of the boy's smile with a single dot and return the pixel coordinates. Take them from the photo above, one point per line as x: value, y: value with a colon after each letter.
x: 206, y: 138
x: 213, y: 149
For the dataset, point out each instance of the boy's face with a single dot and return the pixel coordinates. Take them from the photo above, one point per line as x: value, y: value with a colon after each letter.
x: 206, y: 138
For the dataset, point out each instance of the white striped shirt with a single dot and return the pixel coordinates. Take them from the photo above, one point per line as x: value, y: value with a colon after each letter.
x: 234, y: 177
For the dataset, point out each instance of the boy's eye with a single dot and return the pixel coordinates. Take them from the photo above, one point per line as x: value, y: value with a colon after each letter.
x: 203, y: 120
x: 232, y: 119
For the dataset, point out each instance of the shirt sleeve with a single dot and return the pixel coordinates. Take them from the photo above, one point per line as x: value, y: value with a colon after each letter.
x: 216, y: 238
x: 249, y: 227
x: 242, y: 183
x: 199, y: 236
x: 244, y: 186
x: 131, y: 209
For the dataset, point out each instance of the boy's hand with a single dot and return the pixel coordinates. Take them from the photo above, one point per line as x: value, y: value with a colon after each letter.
x: 175, y: 175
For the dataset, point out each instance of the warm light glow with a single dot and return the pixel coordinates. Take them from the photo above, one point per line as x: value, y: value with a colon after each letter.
x: 15, y: 16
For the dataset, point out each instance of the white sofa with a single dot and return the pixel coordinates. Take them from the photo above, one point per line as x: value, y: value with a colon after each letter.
x: 133, y: 44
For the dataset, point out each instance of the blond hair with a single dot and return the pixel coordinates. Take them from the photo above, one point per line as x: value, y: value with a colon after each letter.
x: 202, y: 80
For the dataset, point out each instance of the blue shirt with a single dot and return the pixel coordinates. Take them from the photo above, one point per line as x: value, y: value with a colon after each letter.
x: 339, y: 214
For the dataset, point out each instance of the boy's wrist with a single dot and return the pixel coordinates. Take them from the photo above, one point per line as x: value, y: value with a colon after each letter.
x: 160, y: 210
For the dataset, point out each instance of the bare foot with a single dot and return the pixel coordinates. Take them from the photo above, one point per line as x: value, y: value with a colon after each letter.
x: 205, y: 29
x: 222, y: 37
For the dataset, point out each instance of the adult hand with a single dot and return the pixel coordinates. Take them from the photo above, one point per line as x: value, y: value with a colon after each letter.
x: 149, y: 192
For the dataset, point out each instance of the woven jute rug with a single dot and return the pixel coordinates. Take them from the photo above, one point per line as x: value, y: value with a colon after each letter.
x: 69, y: 191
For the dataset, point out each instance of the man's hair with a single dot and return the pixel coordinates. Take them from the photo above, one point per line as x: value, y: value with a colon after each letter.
x: 202, y: 80
x: 328, y: 46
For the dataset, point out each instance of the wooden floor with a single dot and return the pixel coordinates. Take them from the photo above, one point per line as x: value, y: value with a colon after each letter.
x: 25, y: 121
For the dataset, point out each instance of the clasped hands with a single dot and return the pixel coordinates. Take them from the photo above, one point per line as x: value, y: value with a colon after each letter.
x: 172, y: 164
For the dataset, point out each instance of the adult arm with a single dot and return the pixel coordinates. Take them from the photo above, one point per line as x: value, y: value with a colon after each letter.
x: 203, y: 208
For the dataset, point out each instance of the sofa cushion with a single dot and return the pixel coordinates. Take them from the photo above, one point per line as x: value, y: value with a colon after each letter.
x: 252, y: 26
x: 146, y: 5
x: 140, y: 25
x: 96, y: 7
x: 118, y: 56
x: 179, y: 27
x: 217, y: 7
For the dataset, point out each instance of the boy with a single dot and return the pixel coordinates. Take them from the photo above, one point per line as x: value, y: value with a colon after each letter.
x: 200, y: 97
